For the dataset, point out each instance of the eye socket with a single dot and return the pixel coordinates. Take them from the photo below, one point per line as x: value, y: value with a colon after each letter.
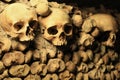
x: 33, y: 23
x: 67, y: 28
x: 103, y: 36
x: 18, y: 25
x: 52, y: 30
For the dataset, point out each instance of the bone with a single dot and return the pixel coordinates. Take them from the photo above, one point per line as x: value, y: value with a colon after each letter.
x: 36, y: 55
x: 67, y: 57
x: 91, y: 65
x: 44, y: 47
x: 28, y: 56
x: 41, y: 6
x: 50, y: 76
x: 17, y: 45
x: 83, y: 54
x: 107, y: 76
x: 60, y: 54
x: 117, y: 66
x: 66, y: 75
x: 8, y: 1
x: 18, y: 29
x: 83, y: 68
x: 105, y: 59
x: 110, y: 21
x: 12, y: 78
x: 77, y: 18
x: 37, y: 68
x: 43, y: 9
x: 55, y: 65
x: 109, y: 68
x: 2, y: 67
x: 116, y: 74
x: 57, y: 33
x: 70, y: 66
x: 95, y: 33
x: 15, y: 57
x: 5, y: 42
x: 34, y: 77
x: 66, y: 8
x: 55, y: 4
x: 95, y: 74
x: 111, y: 40
x: 86, y: 77
x: 79, y: 76
x: 96, y: 58
x: 95, y: 22
x: 23, y: 1
x: 35, y: 2
x: 19, y: 70
x: 76, y: 58
x: 4, y: 74
x: 85, y: 39
x: 112, y: 55
x: 90, y: 54
x: 98, y: 64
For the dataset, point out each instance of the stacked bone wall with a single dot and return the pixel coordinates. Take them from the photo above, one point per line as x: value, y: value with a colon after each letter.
x: 85, y: 57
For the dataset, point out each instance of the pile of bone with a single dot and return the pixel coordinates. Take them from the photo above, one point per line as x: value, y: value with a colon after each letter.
x: 41, y: 40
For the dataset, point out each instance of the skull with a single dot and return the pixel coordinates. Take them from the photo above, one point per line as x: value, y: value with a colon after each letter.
x: 19, y: 21
x: 102, y: 26
x: 57, y: 27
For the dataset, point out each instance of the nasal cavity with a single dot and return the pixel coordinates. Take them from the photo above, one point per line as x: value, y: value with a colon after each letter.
x: 62, y: 35
x: 28, y: 30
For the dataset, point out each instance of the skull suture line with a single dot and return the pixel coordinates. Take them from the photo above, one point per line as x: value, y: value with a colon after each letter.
x: 19, y: 21
x: 57, y: 27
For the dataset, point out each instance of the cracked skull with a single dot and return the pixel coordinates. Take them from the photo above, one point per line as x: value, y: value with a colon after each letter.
x: 19, y: 21
x: 57, y: 27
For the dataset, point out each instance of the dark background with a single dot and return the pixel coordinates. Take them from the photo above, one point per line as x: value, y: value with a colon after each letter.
x: 111, y: 4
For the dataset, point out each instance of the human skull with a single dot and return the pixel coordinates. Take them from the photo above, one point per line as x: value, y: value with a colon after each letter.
x: 57, y: 27
x: 19, y: 21
x: 98, y: 24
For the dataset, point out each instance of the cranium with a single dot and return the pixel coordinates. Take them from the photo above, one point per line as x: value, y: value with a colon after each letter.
x: 57, y: 27
x: 98, y: 24
x: 19, y: 21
